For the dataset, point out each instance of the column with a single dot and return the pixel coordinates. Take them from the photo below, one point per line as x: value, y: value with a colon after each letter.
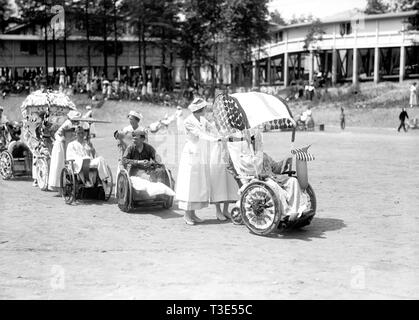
x: 254, y: 73
x: 402, y: 63
x: 334, y: 66
x: 310, y: 70
x: 286, y: 73
x: 268, y: 75
x: 376, y: 65
x: 355, y: 67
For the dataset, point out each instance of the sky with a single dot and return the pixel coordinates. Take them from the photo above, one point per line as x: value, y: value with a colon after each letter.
x: 318, y: 8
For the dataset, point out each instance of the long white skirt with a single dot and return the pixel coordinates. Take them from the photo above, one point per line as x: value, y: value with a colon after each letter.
x: 57, y: 164
x: 223, y: 187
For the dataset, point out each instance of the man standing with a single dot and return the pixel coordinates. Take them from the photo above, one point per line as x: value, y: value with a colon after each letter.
x: 342, y: 118
x: 402, y: 116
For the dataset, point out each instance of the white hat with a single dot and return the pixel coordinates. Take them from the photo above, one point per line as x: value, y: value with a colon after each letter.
x: 133, y: 113
x: 88, y: 107
x: 73, y: 114
x: 197, y: 104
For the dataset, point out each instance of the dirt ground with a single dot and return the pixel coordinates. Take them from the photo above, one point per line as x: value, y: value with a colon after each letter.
x: 362, y: 244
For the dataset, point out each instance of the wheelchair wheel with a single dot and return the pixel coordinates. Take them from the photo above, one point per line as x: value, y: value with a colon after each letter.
x: 260, y: 208
x: 6, y: 165
x: 236, y: 216
x: 168, y: 203
x: 310, y: 212
x: 68, y: 185
x: 124, y: 192
x: 109, y: 186
x: 42, y: 171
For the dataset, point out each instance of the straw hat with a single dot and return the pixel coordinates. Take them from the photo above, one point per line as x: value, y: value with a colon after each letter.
x: 197, y: 104
x: 73, y: 114
x: 135, y: 114
x: 88, y: 108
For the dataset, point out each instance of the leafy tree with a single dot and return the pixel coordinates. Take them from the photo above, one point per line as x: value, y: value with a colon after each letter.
x: 246, y: 27
x: 4, y: 13
x: 376, y: 7
x: 276, y: 17
x: 314, y: 35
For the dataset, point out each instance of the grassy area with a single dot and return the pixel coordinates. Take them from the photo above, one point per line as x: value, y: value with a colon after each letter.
x: 372, y: 106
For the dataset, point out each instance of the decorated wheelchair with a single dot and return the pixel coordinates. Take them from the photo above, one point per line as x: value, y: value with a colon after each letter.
x: 244, y: 115
x: 15, y: 156
x: 138, y: 186
x: 43, y: 112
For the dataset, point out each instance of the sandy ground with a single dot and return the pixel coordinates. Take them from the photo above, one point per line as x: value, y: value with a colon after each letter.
x: 362, y: 243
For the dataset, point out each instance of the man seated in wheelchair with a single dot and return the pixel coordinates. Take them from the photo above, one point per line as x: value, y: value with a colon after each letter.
x: 17, y: 148
x: 144, y: 166
x: 250, y: 160
x: 84, y: 155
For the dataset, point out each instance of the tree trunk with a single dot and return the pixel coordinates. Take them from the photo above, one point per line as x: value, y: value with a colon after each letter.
x: 115, y: 43
x: 87, y: 39
x: 143, y: 63
x: 105, y: 45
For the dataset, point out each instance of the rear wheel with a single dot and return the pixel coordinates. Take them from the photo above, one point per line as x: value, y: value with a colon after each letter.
x: 68, y: 185
x: 260, y: 208
x: 6, y: 165
x: 42, y: 170
x: 108, y: 187
x: 123, y: 193
x: 168, y: 203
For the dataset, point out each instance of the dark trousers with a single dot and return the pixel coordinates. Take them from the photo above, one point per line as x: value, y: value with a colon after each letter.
x: 342, y: 123
x: 402, y: 125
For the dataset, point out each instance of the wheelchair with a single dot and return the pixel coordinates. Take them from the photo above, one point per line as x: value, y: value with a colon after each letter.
x: 258, y: 207
x: 129, y: 198
x: 15, y: 156
x: 74, y: 185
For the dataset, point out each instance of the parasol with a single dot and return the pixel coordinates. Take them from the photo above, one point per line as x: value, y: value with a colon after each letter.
x: 52, y: 102
x: 241, y: 111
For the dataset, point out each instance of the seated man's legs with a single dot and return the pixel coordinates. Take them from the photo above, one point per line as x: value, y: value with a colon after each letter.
x: 291, y: 200
x: 101, y: 166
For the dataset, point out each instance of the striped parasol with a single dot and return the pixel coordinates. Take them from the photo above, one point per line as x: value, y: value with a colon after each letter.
x: 240, y: 111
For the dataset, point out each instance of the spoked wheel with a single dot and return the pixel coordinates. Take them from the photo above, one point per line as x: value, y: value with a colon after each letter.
x: 108, y: 187
x: 308, y: 214
x: 42, y: 171
x: 236, y: 216
x: 123, y: 193
x: 68, y: 185
x: 6, y: 165
x: 260, y: 208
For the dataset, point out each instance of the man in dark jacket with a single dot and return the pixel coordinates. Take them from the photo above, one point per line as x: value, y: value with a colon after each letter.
x: 403, y: 115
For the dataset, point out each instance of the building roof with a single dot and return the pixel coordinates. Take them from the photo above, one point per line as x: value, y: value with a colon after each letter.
x: 348, y: 15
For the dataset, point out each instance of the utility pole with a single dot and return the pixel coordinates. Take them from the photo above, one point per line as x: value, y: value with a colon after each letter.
x: 65, y: 41
x: 54, y: 56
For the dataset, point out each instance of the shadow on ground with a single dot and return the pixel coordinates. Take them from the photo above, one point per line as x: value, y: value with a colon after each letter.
x: 318, y: 228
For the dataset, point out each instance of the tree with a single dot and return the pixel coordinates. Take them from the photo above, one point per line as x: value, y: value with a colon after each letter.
x: 314, y: 35
x: 276, y: 17
x: 4, y: 14
x: 301, y: 19
x: 246, y: 27
x: 38, y: 12
x: 376, y: 7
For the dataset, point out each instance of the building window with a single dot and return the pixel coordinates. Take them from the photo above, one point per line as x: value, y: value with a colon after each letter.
x: 27, y: 47
x: 278, y: 36
x: 345, y: 28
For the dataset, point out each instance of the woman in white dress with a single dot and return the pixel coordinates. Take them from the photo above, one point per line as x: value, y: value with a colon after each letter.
x: 223, y: 188
x: 58, y: 150
x: 193, y: 180
x: 413, y: 101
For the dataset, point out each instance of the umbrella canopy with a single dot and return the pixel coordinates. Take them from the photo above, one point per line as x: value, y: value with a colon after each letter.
x: 55, y: 103
x: 241, y: 111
